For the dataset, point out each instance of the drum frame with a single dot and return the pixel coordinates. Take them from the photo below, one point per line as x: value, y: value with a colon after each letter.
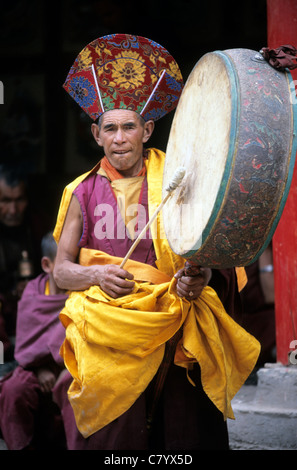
x: 245, y: 246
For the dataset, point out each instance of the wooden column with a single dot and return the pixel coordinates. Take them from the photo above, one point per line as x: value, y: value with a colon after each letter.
x: 281, y: 30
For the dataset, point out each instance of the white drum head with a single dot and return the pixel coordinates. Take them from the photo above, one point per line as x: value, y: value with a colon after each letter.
x: 198, y: 141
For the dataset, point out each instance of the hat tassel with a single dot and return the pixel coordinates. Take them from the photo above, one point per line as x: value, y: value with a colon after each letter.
x: 97, y: 86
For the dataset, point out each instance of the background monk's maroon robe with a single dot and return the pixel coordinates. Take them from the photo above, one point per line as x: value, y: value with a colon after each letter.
x: 38, y: 340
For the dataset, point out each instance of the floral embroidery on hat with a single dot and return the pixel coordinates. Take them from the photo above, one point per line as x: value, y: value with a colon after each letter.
x: 126, y: 72
x: 84, y: 91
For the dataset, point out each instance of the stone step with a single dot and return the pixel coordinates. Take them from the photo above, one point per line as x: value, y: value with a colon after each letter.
x: 266, y: 413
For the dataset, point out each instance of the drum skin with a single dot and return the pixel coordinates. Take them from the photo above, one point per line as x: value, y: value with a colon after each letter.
x: 241, y: 111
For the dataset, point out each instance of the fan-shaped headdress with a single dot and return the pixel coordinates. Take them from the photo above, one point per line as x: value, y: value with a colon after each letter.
x: 122, y: 71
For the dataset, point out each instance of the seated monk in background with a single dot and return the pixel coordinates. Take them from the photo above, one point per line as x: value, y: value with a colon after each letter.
x: 28, y: 416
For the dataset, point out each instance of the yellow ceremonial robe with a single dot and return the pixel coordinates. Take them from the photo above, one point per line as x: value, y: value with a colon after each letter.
x: 114, y: 347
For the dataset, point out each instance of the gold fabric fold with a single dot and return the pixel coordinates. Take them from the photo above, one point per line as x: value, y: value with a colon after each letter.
x: 113, y: 347
x: 141, y: 272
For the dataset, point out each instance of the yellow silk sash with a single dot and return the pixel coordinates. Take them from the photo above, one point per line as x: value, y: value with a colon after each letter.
x: 113, y: 347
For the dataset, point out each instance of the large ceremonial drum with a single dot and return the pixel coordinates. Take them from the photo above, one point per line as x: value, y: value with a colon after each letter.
x: 234, y: 131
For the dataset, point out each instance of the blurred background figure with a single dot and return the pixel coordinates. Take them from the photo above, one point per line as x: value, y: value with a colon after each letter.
x: 258, y: 305
x: 29, y: 419
x: 21, y: 231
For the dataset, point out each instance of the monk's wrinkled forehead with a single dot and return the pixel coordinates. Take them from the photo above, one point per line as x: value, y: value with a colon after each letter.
x: 120, y: 117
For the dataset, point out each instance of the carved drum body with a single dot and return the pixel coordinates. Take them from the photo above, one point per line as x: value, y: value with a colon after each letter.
x: 234, y: 131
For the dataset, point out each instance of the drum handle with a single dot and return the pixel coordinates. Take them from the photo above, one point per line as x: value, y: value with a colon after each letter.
x: 175, y: 182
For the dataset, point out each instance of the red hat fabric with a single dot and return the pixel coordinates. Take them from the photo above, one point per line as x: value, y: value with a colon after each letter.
x: 121, y: 71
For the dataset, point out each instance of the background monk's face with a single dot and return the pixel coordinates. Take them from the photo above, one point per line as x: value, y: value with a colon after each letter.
x: 13, y: 204
x: 122, y: 134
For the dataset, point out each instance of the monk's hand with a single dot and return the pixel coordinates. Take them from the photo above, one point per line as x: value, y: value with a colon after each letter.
x: 116, y: 281
x: 191, y: 282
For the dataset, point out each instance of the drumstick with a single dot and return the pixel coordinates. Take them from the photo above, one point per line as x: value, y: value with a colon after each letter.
x: 174, y: 183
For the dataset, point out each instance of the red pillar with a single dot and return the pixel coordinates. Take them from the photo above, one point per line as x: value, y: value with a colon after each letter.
x: 282, y: 29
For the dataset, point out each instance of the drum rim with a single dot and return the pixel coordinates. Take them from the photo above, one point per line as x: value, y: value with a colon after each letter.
x: 290, y: 172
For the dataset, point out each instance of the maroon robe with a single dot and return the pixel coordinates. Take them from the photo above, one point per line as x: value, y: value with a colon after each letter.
x: 185, y: 418
x: 95, y: 191
x: 39, y: 336
x: 39, y: 332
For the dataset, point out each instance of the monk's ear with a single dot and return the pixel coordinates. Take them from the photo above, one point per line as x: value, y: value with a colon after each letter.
x: 95, y: 132
x: 148, y: 130
x: 47, y: 264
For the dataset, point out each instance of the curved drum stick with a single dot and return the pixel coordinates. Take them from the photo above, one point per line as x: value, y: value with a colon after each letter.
x: 174, y: 183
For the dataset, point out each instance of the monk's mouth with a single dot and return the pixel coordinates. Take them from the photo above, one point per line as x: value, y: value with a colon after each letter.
x: 121, y: 152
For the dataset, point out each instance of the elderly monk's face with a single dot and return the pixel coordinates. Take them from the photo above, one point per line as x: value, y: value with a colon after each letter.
x: 13, y: 203
x: 122, y: 134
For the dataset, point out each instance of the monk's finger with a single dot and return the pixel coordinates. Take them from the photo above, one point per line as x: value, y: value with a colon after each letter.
x: 191, y: 282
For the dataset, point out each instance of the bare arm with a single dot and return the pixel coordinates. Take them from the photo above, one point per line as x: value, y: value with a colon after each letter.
x: 70, y: 275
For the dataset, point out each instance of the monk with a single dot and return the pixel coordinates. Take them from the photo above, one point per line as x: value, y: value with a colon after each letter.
x: 29, y: 419
x: 21, y: 231
x: 154, y: 356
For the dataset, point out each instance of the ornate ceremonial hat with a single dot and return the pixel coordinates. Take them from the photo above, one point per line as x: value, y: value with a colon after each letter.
x: 121, y: 71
